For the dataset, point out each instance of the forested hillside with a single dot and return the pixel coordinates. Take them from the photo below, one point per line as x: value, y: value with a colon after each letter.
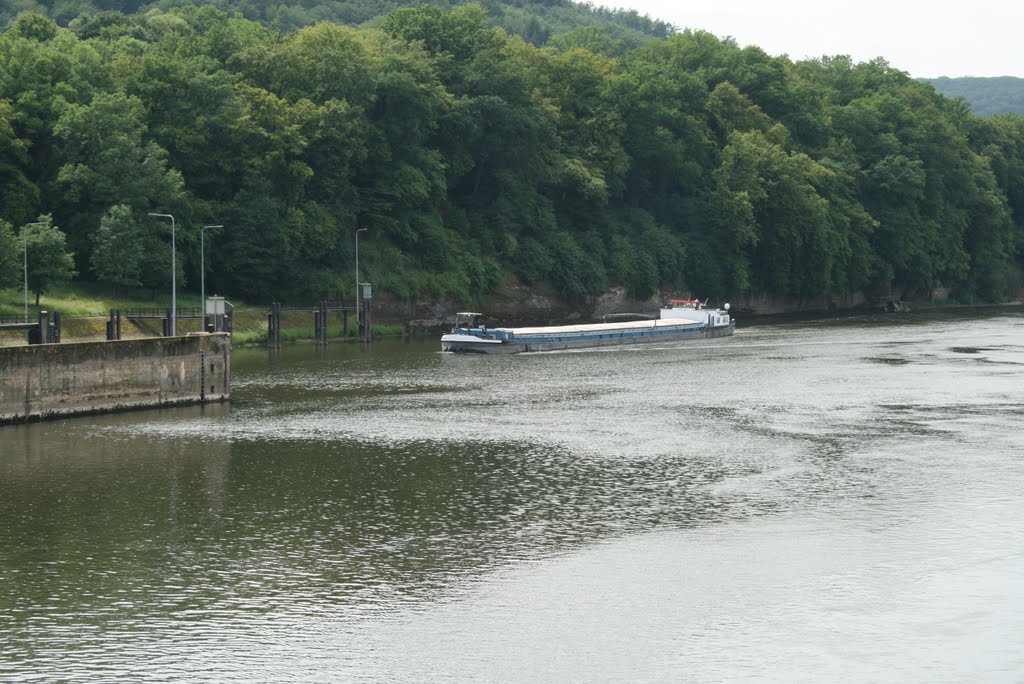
x: 471, y: 157
x: 534, y: 20
x: 988, y: 96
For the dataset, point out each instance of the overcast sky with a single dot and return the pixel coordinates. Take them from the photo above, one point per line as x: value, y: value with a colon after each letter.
x: 926, y: 39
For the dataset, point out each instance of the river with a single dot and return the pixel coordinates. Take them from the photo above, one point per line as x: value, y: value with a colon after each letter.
x: 811, y: 501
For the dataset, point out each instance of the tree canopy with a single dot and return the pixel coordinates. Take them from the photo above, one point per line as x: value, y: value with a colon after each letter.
x: 49, y: 261
x: 474, y: 156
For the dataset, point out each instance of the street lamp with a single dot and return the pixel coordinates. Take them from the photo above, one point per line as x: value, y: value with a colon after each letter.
x: 202, y: 270
x: 174, y: 278
x: 25, y: 236
x: 358, y: 316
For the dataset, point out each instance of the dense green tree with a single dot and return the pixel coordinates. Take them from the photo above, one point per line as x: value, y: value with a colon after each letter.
x: 117, y: 252
x: 10, y: 251
x: 106, y: 161
x: 1000, y: 142
x: 34, y: 26
x: 50, y: 262
x: 18, y: 194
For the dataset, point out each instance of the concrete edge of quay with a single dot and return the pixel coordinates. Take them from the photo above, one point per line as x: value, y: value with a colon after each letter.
x: 51, y: 381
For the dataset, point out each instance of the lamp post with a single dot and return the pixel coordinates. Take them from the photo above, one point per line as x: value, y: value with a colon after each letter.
x: 202, y: 271
x: 359, y: 317
x: 174, y: 278
x: 25, y: 265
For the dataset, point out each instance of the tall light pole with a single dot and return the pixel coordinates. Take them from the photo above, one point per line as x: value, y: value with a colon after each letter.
x: 25, y: 236
x: 202, y: 271
x: 358, y: 316
x: 174, y: 278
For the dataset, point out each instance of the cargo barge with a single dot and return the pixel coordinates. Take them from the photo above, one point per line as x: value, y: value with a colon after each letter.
x: 683, y: 319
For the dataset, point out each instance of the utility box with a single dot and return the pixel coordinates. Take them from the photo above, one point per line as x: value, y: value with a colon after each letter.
x: 214, y: 306
x: 367, y: 291
x: 218, y: 314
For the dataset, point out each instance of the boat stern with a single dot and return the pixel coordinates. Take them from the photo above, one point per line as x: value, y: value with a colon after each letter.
x: 460, y: 342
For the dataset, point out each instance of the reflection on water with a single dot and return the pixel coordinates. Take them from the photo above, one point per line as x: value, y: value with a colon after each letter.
x: 788, y: 503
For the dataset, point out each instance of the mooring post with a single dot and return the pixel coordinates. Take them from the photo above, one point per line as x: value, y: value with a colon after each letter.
x: 114, y: 325
x: 44, y: 327
x: 321, y: 316
x: 269, y: 328
x: 363, y: 312
x: 273, y: 324
x: 367, y: 330
x: 320, y: 311
x: 35, y: 333
x: 277, y: 325
x: 279, y: 317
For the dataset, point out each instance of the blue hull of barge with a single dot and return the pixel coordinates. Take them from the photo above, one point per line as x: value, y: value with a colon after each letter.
x: 476, y: 343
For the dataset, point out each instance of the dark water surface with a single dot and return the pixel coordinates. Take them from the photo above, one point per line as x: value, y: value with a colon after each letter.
x: 837, y: 500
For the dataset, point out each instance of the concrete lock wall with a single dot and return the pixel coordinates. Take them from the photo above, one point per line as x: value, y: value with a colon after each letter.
x: 52, y: 380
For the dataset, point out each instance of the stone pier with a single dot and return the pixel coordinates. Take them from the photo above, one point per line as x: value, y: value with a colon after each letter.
x: 38, y: 382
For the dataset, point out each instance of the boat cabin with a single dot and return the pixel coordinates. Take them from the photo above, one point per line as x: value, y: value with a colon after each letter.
x: 697, y: 311
x: 466, y: 319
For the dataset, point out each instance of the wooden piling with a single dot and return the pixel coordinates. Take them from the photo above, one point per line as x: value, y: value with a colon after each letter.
x: 274, y: 326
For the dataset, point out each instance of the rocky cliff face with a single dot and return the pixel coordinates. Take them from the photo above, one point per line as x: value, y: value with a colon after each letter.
x: 518, y: 305
x: 515, y: 305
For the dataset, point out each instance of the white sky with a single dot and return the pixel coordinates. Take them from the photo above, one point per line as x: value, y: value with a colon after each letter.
x: 926, y: 39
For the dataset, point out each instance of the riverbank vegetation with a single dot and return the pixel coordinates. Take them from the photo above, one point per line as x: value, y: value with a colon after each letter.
x: 473, y: 157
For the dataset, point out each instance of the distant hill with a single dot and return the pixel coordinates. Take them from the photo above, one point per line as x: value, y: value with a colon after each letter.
x: 988, y: 96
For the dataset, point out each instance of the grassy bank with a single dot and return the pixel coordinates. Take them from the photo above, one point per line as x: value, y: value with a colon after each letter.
x: 89, y: 300
x: 85, y: 308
